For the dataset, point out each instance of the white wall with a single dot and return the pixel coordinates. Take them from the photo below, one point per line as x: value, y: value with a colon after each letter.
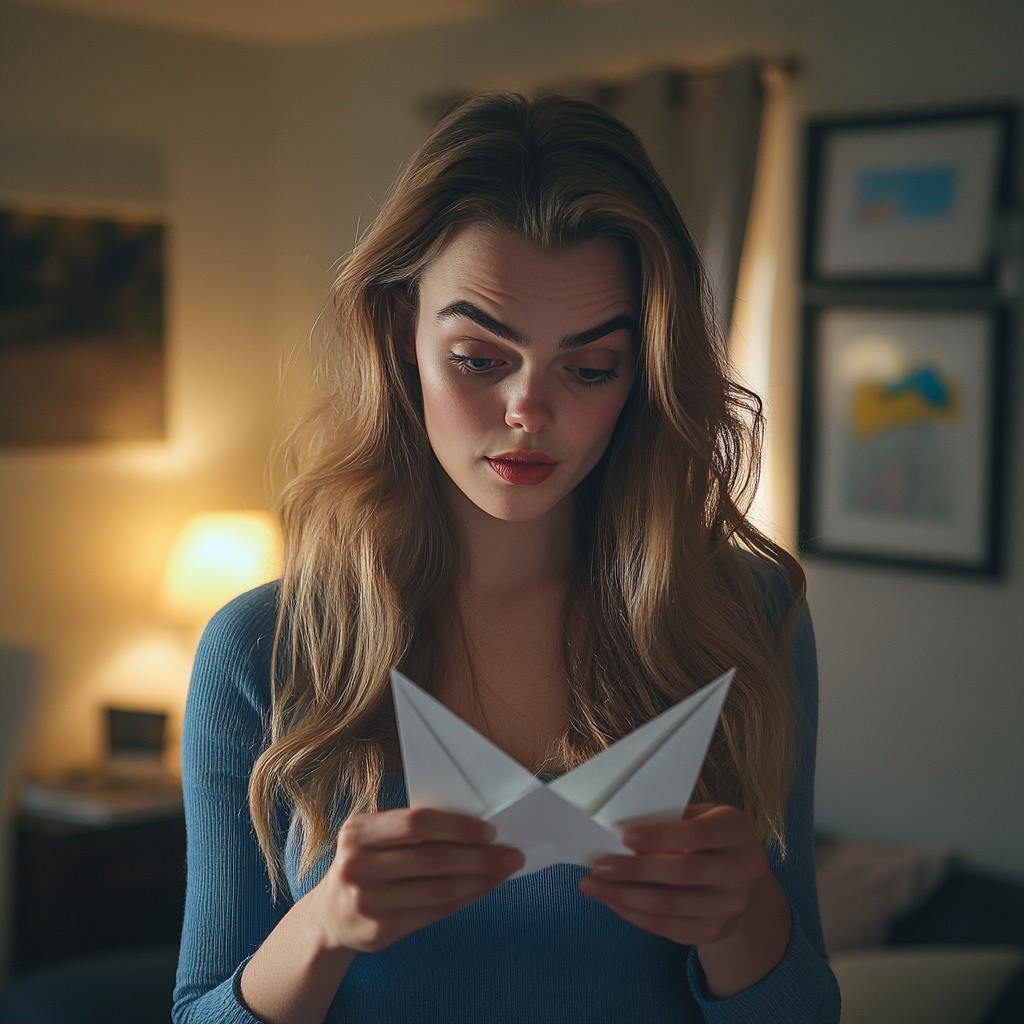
x: 274, y: 161
x: 84, y: 531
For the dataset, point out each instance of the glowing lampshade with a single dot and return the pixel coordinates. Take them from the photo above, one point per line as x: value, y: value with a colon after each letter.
x: 217, y: 556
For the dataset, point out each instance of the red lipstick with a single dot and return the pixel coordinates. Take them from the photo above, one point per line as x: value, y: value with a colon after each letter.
x: 524, y: 468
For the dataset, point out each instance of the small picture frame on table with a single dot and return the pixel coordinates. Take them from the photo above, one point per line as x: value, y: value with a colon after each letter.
x: 909, y: 199
x: 902, y: 421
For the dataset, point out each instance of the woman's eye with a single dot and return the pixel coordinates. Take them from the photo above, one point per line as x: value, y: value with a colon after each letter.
x: 590, y: 375
x: 472, y: 364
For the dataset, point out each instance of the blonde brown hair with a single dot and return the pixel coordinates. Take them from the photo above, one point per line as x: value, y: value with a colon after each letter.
x: 662, y: 597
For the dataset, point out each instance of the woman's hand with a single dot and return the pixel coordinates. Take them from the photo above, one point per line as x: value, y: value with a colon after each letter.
x: 397, y: 871
x: 702, y: 880
x: 394, y: 872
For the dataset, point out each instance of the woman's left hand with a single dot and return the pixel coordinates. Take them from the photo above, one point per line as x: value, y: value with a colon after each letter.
x: 702, y: 880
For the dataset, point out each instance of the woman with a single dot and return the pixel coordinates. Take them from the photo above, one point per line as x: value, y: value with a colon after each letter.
x: 525, y: 488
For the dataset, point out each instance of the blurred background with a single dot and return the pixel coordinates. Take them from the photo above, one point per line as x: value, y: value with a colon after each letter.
x: 259, y: 136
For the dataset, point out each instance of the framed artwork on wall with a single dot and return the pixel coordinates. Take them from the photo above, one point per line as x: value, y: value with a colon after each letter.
x: 81, y: 327
x: 906, y: 199
x: 901, y: 428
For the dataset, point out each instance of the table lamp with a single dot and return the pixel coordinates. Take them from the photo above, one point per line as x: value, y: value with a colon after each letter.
x: 217, y: 556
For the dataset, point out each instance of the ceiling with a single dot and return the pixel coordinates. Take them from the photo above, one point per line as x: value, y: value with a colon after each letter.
x: 280, y: 22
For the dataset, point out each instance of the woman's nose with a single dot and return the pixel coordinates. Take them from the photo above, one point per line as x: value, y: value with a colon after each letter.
x: 528, y: 407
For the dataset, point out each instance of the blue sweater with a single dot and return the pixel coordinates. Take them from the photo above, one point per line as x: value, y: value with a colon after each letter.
x: 534, y: 950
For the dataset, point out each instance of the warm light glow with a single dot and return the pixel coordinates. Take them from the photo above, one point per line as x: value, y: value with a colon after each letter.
x: 146, y: 671
x: 217, y: 556
x: 762, y: 342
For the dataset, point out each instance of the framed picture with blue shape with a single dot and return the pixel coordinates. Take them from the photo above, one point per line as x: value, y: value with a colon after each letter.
x: 902, y: 424
x: 910, y: 199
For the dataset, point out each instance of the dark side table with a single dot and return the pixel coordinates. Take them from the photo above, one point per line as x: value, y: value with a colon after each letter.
x: 87, y: 888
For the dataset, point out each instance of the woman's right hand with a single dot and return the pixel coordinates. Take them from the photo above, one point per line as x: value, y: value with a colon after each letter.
x: 394, y: 872
x: 397, y: 871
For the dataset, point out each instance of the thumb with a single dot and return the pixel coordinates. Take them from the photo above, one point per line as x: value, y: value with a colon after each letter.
x: 696, y: 810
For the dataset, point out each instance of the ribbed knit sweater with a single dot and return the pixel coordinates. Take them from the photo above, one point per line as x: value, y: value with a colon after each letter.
x: 534, y: 951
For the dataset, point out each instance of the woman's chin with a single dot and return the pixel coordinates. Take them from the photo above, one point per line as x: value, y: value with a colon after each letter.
x: 516, y: 504
x: 513, y: 511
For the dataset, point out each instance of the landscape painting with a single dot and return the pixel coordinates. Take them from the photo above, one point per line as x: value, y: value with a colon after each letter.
x: 81, y: 328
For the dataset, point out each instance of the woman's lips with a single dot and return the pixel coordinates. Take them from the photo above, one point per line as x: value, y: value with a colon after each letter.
x: 522, y: 467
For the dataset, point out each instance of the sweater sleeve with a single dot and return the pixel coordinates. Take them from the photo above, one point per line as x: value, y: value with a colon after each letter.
x: 802, y: 988
x: 228, y: 907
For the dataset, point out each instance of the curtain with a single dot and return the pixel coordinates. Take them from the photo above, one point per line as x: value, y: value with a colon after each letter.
x: 701, y: 130
x: 763, y: 337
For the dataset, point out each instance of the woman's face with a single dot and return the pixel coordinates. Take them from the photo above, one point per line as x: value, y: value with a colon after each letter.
x: 526, y: 357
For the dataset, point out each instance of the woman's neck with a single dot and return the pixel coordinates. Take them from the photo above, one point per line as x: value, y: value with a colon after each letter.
x: 508, y: 557
x: 505, y: 670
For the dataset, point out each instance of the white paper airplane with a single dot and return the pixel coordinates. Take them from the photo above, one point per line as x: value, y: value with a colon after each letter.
x: 646, y: 775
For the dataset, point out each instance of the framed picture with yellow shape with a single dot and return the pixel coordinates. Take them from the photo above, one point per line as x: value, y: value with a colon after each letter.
x: 901, y: 436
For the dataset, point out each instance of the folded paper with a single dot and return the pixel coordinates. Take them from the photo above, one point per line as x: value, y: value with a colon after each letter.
x: 646, y: 775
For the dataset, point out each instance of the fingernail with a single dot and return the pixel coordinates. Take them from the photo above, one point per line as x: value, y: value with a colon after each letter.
x: 603, y: 867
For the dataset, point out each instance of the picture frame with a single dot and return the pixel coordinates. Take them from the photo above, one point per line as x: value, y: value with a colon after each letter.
x: 82, y: 324
x: 907, y: 199
x: 902, y: 417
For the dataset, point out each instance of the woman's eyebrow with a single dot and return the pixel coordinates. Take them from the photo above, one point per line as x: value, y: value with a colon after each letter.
x: 622, y: 322
x: 503, y: 330
x: 481, y: 319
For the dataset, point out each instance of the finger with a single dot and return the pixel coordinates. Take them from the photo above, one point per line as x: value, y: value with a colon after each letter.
x: 714, y: 828
x: 376, y: 933
x: 420, y: 825
x: 422, y: 894
x: 374, y: 866
x: 668, y: 901
x: 695, y: 810
x: 413, y: 919
x: 700, y: 868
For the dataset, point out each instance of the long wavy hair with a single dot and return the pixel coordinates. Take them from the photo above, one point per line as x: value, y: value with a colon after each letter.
x: 662, y: 597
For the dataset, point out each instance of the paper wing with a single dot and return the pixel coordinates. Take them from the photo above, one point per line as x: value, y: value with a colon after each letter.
x: 447, y: 763
x: 651, y: 772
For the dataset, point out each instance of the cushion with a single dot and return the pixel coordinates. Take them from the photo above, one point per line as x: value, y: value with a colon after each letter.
x: 864, y: 887
x: 923, y: 984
